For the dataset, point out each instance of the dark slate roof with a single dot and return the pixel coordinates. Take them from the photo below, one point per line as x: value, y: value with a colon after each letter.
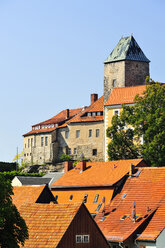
x: 33, y: 180
x: 127, y: 49
x: 54, y: 176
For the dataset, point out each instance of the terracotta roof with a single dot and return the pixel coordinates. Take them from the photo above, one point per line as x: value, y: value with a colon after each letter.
x: 97, y: 106
x: 59, y: 119
x: 78, y: 196
x: 147, y: 190
x: 156, y: 225
x: 26, y: 194
x: 125, y: 95
x: 47, y: 223
x: 60, y: 116
x: 97, y: 173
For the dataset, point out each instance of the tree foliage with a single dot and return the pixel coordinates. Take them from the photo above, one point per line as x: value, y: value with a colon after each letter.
x: 13, y: 229
x: 147, y: 117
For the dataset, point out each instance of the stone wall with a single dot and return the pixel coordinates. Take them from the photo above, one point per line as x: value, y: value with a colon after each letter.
x: 136, y: 72
x: 83, y: 144
x: 125, y: 73
x: 34, y: 152
x: 113, y: 71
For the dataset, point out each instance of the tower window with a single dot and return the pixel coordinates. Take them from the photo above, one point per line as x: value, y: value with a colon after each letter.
x: 94, y: 152
x: 67, y: 134
x: 114, y: 83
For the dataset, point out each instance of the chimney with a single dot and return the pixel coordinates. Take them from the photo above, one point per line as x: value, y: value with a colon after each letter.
x: 131, y: 170
x: 67, y: 166
x: 94, y: 98
x: 81, y: 166
x: 67, y: 113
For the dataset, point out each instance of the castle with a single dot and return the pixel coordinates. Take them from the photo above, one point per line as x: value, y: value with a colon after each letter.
x: 82, y: 130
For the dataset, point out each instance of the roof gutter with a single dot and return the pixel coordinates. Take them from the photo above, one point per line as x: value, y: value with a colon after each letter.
x: 82, y: 186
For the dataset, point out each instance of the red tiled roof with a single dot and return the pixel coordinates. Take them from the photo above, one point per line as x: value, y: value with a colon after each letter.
x: 97, y: 106
x: 78, y: 196
x: 125, y: 94
x: 147, y: 190
x: 97, y: 173
x: 60, y: 116
x: 59, y: 119
x: 26, y: 194
x: 47, y: 223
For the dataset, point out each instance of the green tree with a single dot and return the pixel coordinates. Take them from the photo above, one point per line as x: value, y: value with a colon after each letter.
x: 13, y: 229
x: 147, y: 117
x: 122, y: 144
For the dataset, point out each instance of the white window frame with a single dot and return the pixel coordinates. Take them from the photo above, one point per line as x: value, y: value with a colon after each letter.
x: 87, y: 238
x: 115, y: 110
x: 79, y: 236
x: 77, y: 133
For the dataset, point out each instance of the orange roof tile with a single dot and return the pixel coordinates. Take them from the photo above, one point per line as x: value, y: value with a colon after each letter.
x: 156, y: 225
x: 147, y: 190
x: 26, y: 194
x: 47, y: 223
x: 59, y: 119
x: 97, y: 174
x: 97, y: 106
x: 125, y: 94
x: 78, y: 196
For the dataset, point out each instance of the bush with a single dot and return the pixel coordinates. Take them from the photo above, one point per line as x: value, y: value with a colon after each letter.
x: 6, y: 166
x: 66, y: 157
x: 11, y: 174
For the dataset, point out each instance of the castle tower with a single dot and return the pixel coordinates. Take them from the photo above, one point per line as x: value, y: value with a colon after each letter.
x: 126, y: 66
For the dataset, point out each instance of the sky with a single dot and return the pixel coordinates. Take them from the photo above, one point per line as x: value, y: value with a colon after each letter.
x: 52, y: 54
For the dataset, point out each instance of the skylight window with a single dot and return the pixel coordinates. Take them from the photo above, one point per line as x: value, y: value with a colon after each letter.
x: 71, y: 197
x: 96, y: 198
x: 85, y: 198
x: 99, y: 206
x: 103, y: 218
x: 124, y: 195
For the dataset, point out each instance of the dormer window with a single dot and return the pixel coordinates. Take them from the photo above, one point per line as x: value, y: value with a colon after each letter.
x: 71, y: 197
x: 89, y: 114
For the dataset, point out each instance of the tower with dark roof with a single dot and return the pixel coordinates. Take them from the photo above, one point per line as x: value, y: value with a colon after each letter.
x: 125, y: 66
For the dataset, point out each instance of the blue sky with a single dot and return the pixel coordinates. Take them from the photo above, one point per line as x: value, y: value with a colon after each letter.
x: 52, y: 53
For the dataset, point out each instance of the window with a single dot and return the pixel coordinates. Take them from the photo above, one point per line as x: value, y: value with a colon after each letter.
x: 96, y: 198
x: 99, y: 206
x: 31, y: 142
x: 42, y: 141
x: 82, y: 238
x: 34, y: 141
x: 77, y: 133
x: 69, y: 151
x: 85, y: 238
x: 67, y: 134
x: 97, y: 132
x: 75, y: 151
x: 94, y: 152
x: 27, y: 154
x: 46, y: 141
x: 24, y: 154
x: 25, y: 145
x: 94, y: 114
x: 28, y: 142
x: 89, y: 114
x: 116, y: 112
x: 85, y: 198
x: 79, y: 238
x: 114, y: 83
x: 90, y: 132
x: 99, y: 113
x: 71, y: 197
